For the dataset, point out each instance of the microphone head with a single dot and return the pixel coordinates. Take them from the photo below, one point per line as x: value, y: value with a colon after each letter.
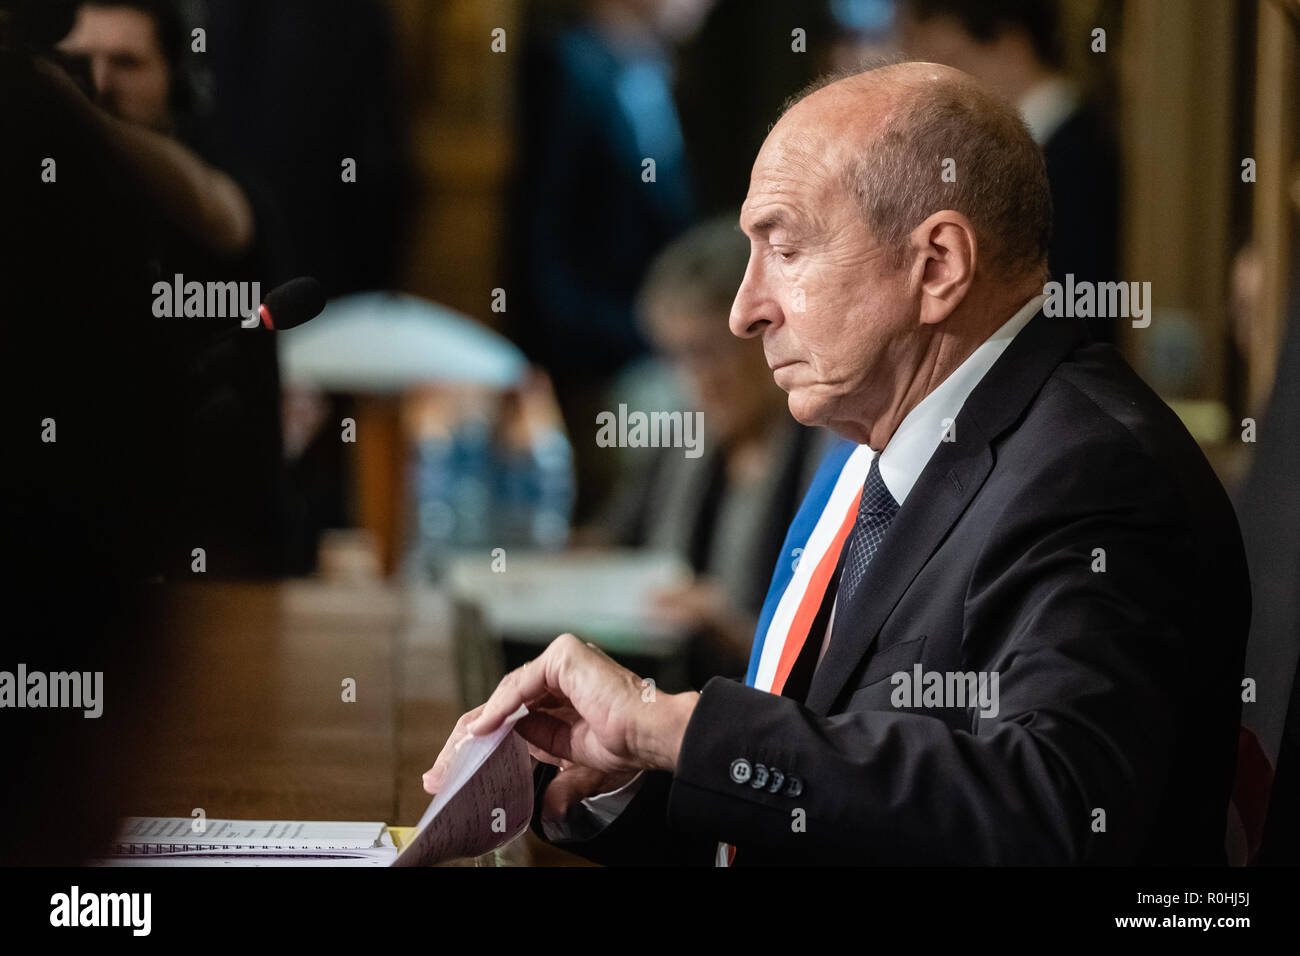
x: 297, y: 301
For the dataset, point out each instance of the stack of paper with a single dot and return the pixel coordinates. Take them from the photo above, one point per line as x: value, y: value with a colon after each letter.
x: 184, y: 841
x: 486, y: 801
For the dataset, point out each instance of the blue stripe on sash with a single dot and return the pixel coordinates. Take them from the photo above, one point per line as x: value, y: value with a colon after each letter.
x: 801, y: 528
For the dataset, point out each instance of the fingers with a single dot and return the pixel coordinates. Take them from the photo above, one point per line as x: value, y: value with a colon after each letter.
x: 537, y: 753
x: 665, y: 597
x: 684, y: 606
x: 534, y: 682
x: 548, y: 734
x: 568, y: 788
x: 518, y: 687
x: 526, y: 685
x: 433, y: 776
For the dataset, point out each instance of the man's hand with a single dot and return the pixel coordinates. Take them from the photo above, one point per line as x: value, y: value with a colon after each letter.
x: 584, y: 709
x: 704, y: 606
x: 570, y: 787
x: 433, y: 776
x: 574, y: 784
x: 168, y: 178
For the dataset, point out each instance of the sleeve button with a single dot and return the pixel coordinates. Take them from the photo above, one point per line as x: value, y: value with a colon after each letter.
x: 741, y: 770
x: 778, y: 778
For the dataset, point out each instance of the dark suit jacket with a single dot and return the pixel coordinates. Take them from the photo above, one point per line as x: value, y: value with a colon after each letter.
x: 584, y: 224
x: 1119, y: 689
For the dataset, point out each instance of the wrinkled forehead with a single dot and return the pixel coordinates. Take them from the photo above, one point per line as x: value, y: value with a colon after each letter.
x: 803, y: 159
x: 797, y: 169
x: 792, y: 156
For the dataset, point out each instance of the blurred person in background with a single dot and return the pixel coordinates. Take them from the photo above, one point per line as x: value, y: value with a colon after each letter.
x: 304, y: 85
x: 733, y: 76
x: 134, y: 53
x: 137, y: 54
x: 725, y: 512
x: 1014, y: 48
x: 589, y: 210
x: 1269, y: 510
x: 90, y: 423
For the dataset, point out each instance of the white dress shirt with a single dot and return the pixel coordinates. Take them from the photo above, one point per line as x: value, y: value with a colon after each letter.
x: 902, y: 460
x: 919, y: 435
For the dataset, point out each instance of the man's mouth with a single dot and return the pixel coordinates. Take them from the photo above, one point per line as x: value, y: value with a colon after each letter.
x: 783, y: 382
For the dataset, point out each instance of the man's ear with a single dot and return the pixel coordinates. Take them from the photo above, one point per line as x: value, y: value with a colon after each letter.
x: 944, y: 251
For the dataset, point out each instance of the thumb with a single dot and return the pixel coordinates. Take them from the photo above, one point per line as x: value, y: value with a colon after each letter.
x: 569, y: 787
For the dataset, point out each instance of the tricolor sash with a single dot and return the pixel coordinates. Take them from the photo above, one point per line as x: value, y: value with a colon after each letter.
x: 808, y: 558
x: 804, y: 569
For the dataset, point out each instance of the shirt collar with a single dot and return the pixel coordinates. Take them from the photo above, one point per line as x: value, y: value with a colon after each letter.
x: 918, y: 435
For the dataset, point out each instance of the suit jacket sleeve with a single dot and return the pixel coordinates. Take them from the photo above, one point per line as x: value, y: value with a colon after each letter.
x: 1092, y: 666
x: 637, y: 836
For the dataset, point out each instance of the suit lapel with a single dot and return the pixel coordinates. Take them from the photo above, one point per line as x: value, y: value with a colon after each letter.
x: 950, y: 480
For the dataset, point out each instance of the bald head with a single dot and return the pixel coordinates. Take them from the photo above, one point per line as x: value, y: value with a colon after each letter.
x: 896, y: 217
x: 909, y: 139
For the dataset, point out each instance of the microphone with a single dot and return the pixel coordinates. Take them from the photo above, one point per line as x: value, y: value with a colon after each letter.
x: 290, y: 305
x: 214, y: 357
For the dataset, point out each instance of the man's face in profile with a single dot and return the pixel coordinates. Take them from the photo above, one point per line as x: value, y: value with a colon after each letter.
x: 819, y: 289
x: 130, y: 74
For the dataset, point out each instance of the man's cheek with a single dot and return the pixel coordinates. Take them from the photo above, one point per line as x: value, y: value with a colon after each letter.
x: 798, y: 291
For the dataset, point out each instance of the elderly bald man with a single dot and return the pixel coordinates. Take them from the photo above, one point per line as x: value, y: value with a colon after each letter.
x: 1014, y: 631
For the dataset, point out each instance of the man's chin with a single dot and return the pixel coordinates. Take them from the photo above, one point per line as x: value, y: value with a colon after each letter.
x: 806, y: 411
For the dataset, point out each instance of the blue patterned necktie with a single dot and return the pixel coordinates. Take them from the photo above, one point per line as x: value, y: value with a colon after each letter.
x: 876, y: 510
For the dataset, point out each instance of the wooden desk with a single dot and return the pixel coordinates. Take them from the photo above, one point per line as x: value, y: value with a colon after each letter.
x: 252, y: 724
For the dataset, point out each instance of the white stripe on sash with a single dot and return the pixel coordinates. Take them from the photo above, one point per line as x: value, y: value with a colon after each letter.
x: 852, y: 477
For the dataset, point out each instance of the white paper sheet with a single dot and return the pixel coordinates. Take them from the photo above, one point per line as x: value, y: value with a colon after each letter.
x: 241, y: 835
x: 171, y: 841
x: 485, y: 802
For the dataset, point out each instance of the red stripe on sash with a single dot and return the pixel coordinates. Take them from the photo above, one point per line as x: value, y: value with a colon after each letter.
x: 812, y: 599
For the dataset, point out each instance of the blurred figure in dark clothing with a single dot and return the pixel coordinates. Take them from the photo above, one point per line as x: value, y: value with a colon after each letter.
x: 88, y: 430
x: 225, y: 378
x: 733, y: 77
x: 1013, y: 47
x: 301, y: 86
x: 133, y: 53
x: 1268, y: 508
x: 596, y: 108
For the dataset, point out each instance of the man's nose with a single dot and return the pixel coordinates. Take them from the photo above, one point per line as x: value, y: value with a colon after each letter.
x: 101, y: 74
x: 753, y: 309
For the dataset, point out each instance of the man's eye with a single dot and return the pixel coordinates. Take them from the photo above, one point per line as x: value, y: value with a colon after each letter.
x: 785, y: 256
